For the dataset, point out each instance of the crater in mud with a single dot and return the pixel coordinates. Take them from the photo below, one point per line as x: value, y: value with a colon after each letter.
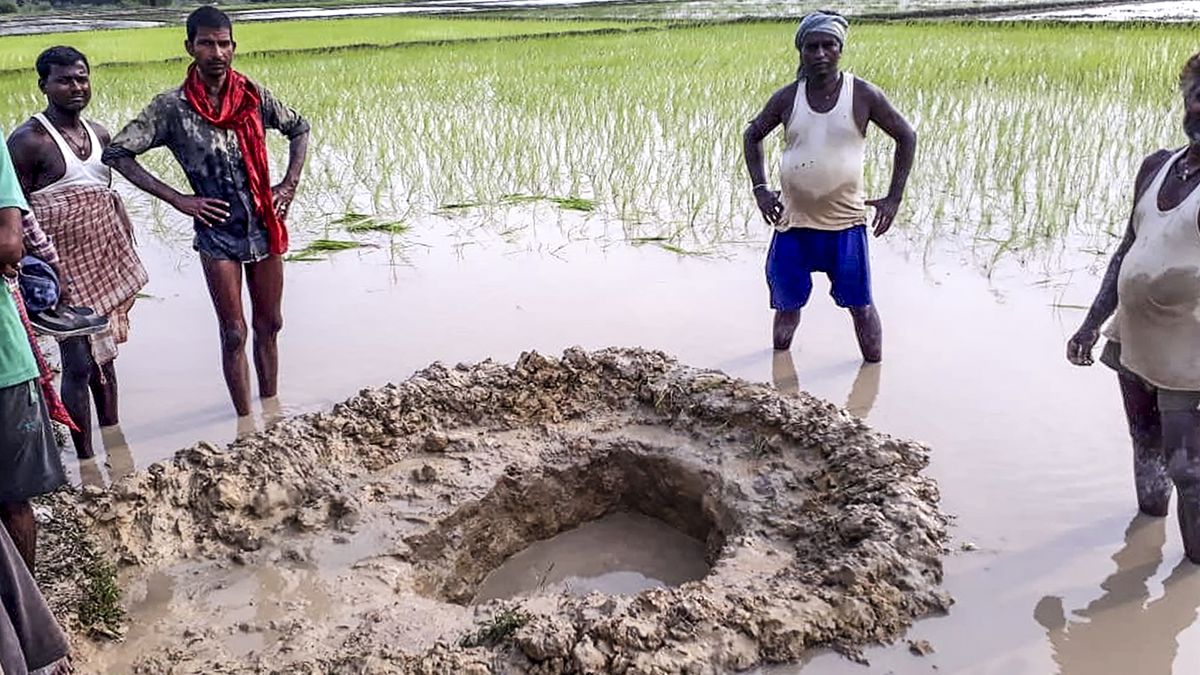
x: 530, y: 505
x: 620, y: 554
x: 397, y: 505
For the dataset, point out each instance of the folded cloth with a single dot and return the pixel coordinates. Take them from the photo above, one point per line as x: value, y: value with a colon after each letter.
x: 58, y: 411
x: 30, y: 638
x: 94, y: 238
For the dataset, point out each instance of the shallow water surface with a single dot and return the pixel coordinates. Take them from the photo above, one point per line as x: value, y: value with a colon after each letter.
x: 1172, y: 11
x: 1031, y: 454
x: 620, y: 554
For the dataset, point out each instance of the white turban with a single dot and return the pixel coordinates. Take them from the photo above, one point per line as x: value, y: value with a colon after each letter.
x: 821, y: 22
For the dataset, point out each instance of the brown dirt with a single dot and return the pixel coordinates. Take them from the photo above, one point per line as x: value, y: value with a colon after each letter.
x: 380, y: 518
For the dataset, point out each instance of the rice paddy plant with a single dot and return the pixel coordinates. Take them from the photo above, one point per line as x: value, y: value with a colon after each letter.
x: 318, y: 249
x: 141, y: 45
x: 1030, y: 135
x: 768, y: 9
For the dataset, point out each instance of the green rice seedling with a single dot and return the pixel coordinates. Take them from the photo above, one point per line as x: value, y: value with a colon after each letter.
x: 361, y: 222
x: 319, y: 249
x: 1030, y: 135
x: 574, y: 203
x: 143, y: 45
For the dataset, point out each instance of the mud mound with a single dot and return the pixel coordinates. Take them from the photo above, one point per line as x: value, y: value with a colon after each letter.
x: 819, y: 531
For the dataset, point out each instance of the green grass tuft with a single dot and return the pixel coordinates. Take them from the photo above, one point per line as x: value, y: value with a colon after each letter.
x: 498, y: 629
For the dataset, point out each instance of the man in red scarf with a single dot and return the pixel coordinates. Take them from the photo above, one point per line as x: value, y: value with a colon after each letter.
x: 215, y: 125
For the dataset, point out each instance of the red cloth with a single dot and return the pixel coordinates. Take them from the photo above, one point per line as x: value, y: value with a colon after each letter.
x: 58, y: 411
x: 241, y: 111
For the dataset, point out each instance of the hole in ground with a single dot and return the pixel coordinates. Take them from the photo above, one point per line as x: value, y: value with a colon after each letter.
x: 620, y: 554
x: 532, y: 505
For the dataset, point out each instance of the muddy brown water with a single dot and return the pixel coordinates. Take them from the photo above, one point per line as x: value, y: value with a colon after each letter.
x: 619, y: 554
x: 1030, y: 453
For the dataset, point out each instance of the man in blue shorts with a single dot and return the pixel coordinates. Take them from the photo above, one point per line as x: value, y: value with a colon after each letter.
x: 819, y: 214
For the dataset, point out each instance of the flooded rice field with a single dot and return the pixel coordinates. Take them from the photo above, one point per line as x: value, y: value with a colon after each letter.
x: 1031, y: 455
x: 676, y: 10
x: 1179, y: 11
x: 368, y: 534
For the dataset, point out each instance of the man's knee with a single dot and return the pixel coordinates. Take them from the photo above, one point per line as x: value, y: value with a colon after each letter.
x: 1146, y: 434
x: 76, y: 358
x: 233, y: 336
x: 267, y: 326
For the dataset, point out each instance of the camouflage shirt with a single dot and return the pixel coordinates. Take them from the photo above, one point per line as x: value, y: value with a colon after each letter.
x: 212, y: 161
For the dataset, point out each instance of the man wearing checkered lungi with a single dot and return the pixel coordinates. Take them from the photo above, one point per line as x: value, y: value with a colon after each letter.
x: 57, y: 155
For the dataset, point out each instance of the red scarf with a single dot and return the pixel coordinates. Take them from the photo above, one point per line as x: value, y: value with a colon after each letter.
x: 241, y: 111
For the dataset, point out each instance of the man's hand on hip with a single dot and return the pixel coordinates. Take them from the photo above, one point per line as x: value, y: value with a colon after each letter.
x: 885, y: 213
x: 205, y: 209
x: 282, y: 196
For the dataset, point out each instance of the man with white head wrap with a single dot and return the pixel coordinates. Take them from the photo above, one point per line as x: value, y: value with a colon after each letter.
x: 820, y: 212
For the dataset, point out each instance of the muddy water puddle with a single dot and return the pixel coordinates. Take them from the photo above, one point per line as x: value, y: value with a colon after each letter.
x: 1172, y: 11
x: 620, y: 554
x: 1031, y: 454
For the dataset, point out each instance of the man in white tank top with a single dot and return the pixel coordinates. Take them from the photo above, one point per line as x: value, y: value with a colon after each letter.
x: 820, y: 212
x: 1152, y: 292
x: 57, y: 156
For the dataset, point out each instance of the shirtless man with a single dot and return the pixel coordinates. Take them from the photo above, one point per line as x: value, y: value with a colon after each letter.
x: 819, y: 215
x: 57, y: 158
x: 214, y: 126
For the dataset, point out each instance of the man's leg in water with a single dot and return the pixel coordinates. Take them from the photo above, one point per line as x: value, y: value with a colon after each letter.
x: 18, y: 519
x: 77, y: 367
x: 1181, y: 440
x: 1145, y: 430
x: 224, y: 278
x: 869, y: 331
x: 103, y: 383
x: 786, y: 322
x: 265, y: 279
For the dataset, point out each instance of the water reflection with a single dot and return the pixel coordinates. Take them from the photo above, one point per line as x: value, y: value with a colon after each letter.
x: 863, y: 392
x: 1120, y: 632
x: 118, y: 457
x: 245, y: 426
x: 272, y: 411
x: 90, y: 474
x: 783, y: 373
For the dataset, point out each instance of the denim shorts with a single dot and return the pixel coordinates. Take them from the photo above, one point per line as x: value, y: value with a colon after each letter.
x: 221, y: 243
x: 842, y: 255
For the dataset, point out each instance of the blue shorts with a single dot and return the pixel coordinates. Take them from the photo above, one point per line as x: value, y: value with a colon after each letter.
x: 223, y: 243
x: 842, y: 255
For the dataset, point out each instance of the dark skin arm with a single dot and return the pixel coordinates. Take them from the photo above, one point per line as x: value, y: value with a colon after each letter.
x: 775, y: 113
x: 32, y: 150
x: 1079, y: 348
x: 885, y: 116
x: 206, y: 210
x: 11, y: 248
x: 285, y: 191
x: 870, y: 106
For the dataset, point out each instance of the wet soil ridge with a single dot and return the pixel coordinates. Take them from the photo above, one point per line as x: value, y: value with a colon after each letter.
x: 819, y: 531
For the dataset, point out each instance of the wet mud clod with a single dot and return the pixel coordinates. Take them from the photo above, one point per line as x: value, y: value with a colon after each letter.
x: 391, y: 509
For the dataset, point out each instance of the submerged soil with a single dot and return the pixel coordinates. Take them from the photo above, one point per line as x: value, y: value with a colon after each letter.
x: 368, y: 530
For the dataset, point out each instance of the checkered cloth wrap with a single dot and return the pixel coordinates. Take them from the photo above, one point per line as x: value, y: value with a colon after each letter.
x: 36, y: 242
x: 94, y: 238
